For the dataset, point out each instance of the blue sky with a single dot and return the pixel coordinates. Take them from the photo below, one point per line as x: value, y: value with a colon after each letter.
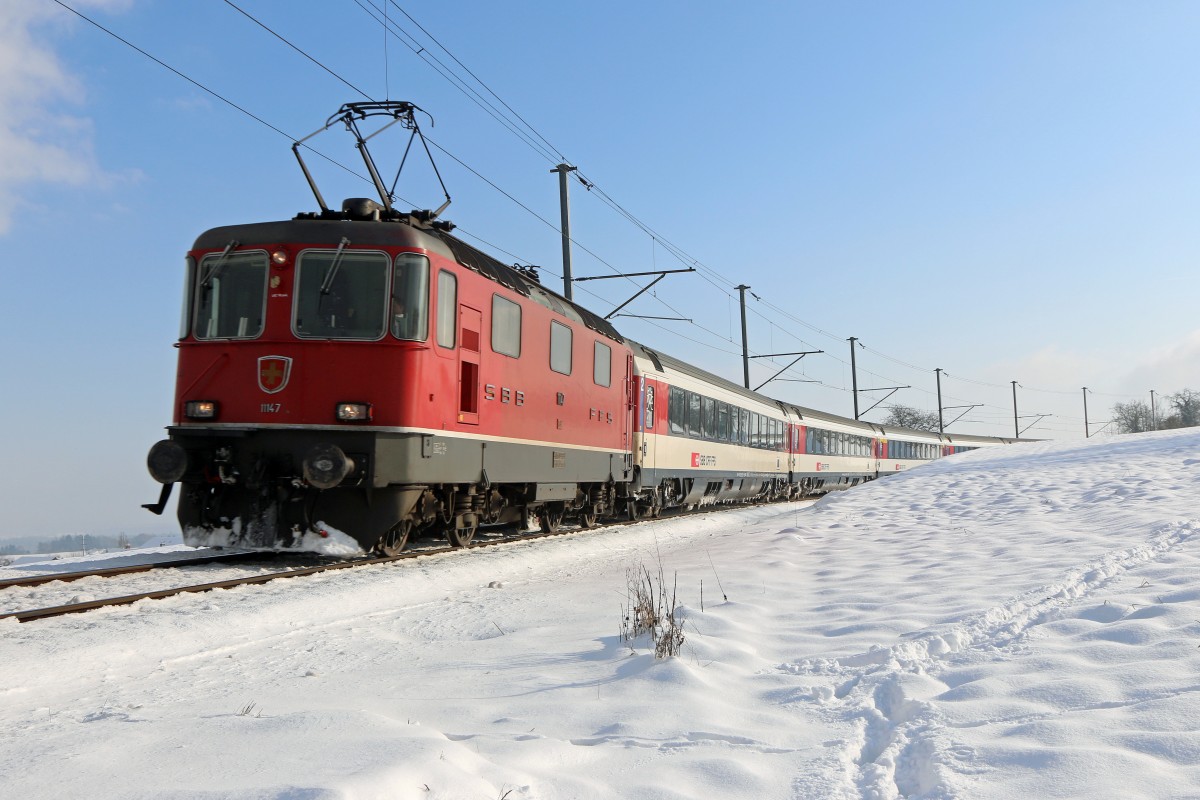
x: 1005, y: 191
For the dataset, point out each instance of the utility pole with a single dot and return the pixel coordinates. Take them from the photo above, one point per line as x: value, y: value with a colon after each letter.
x: 1087, y: 430
x: 1016, y: 423
x: 745, y: 347
x: 854, y: 374
x: 941, y: 426
x: 565, y: 209
x: 1153, y: 413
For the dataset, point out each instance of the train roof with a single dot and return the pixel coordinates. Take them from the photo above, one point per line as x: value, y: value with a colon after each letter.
x: 667, y: 363
x: 403, y: 233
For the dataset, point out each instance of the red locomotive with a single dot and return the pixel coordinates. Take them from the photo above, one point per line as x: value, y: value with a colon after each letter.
x: 363, y: 371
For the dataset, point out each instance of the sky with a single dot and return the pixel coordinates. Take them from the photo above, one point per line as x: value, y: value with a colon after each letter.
x: 1019, y: 621
x: 1004, y: 192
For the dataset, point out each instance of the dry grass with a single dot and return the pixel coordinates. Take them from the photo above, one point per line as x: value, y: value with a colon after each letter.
x: 651, y: 610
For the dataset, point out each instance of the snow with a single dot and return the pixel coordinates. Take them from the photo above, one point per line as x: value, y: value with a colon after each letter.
x: 328, y: 540
x: 1008, y: 623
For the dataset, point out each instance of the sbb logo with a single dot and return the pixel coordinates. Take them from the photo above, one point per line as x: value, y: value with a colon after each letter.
x: 695, y: 459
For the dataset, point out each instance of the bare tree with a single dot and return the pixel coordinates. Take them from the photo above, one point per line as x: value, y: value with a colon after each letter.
x: 1132, y: 417
x: 1187, y: 407
x: 909, y: 417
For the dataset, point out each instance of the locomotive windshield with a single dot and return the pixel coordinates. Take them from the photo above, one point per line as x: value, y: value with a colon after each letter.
x: 231, y: 296
x: 345, y: 296
x: 341, y: 295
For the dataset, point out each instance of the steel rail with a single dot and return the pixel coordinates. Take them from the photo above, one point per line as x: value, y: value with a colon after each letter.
x: 76, y: 608
x: 105, y: 572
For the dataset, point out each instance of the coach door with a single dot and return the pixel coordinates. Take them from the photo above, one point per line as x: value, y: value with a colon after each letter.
x: 470, y: 322
x: 647, y: 422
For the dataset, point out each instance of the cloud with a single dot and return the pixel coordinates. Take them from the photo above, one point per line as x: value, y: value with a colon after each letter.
x: 1166, y: 369
x: 40, y: 143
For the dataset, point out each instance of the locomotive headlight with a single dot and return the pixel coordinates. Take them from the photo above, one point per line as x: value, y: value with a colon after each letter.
x: 280, y: 257
x: 354, y: 412
x: 200, y: 409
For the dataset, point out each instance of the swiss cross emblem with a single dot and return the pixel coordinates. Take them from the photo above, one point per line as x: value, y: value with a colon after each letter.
x: 273, y: 373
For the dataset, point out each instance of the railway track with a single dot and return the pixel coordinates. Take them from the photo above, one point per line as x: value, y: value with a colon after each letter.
x: 89, y: 605
x: 422, y: 552
x: 108, y: 572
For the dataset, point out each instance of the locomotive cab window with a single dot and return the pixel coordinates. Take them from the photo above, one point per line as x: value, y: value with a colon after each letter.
x: 231, y: 296
x: 340, y: 294
x: 409, y: 310
x: 506, y: 327
x: 189, y: 283
x: 560, y: 348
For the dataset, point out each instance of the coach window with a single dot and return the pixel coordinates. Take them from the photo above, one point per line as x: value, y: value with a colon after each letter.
x: 231, y: 296
x: 506, y: 327
x: 734, y: 432
x: 708, y: 418
x: 693, y: 414
x: 560, y: 348
x: 677, y: 411
x: 447, y: 309
x: 602, y: 366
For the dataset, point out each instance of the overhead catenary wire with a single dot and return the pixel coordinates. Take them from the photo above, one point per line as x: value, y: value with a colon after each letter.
x: 549, y: 152
x: 546, y: 150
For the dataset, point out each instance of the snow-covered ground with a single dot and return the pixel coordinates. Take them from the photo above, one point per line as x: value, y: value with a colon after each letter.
x: 1012, y: 623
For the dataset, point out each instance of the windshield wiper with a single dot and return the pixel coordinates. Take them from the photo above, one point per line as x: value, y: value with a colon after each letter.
x: 327, y: 284
x: 215, y: 269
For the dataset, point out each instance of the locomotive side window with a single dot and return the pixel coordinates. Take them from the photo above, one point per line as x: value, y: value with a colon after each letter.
x: 410, y: 298
x: 560, y: 348
x: 677, y: 411
x: 231, y: 296
x: 506, y: 327
x: 447, y: 309
x: 340, y: 294
x: 602, y: 368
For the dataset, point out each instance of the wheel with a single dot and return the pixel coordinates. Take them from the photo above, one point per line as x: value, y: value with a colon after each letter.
x: 631, y: 510
x: 550, y: 517
x: 392, y: 542
x: 462, y: 536
x: 587, y: 517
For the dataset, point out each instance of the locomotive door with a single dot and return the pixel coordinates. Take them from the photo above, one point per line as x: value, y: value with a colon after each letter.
x: 470, y: 322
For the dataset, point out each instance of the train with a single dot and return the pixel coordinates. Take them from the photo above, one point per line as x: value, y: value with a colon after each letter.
x: 365, y: 373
